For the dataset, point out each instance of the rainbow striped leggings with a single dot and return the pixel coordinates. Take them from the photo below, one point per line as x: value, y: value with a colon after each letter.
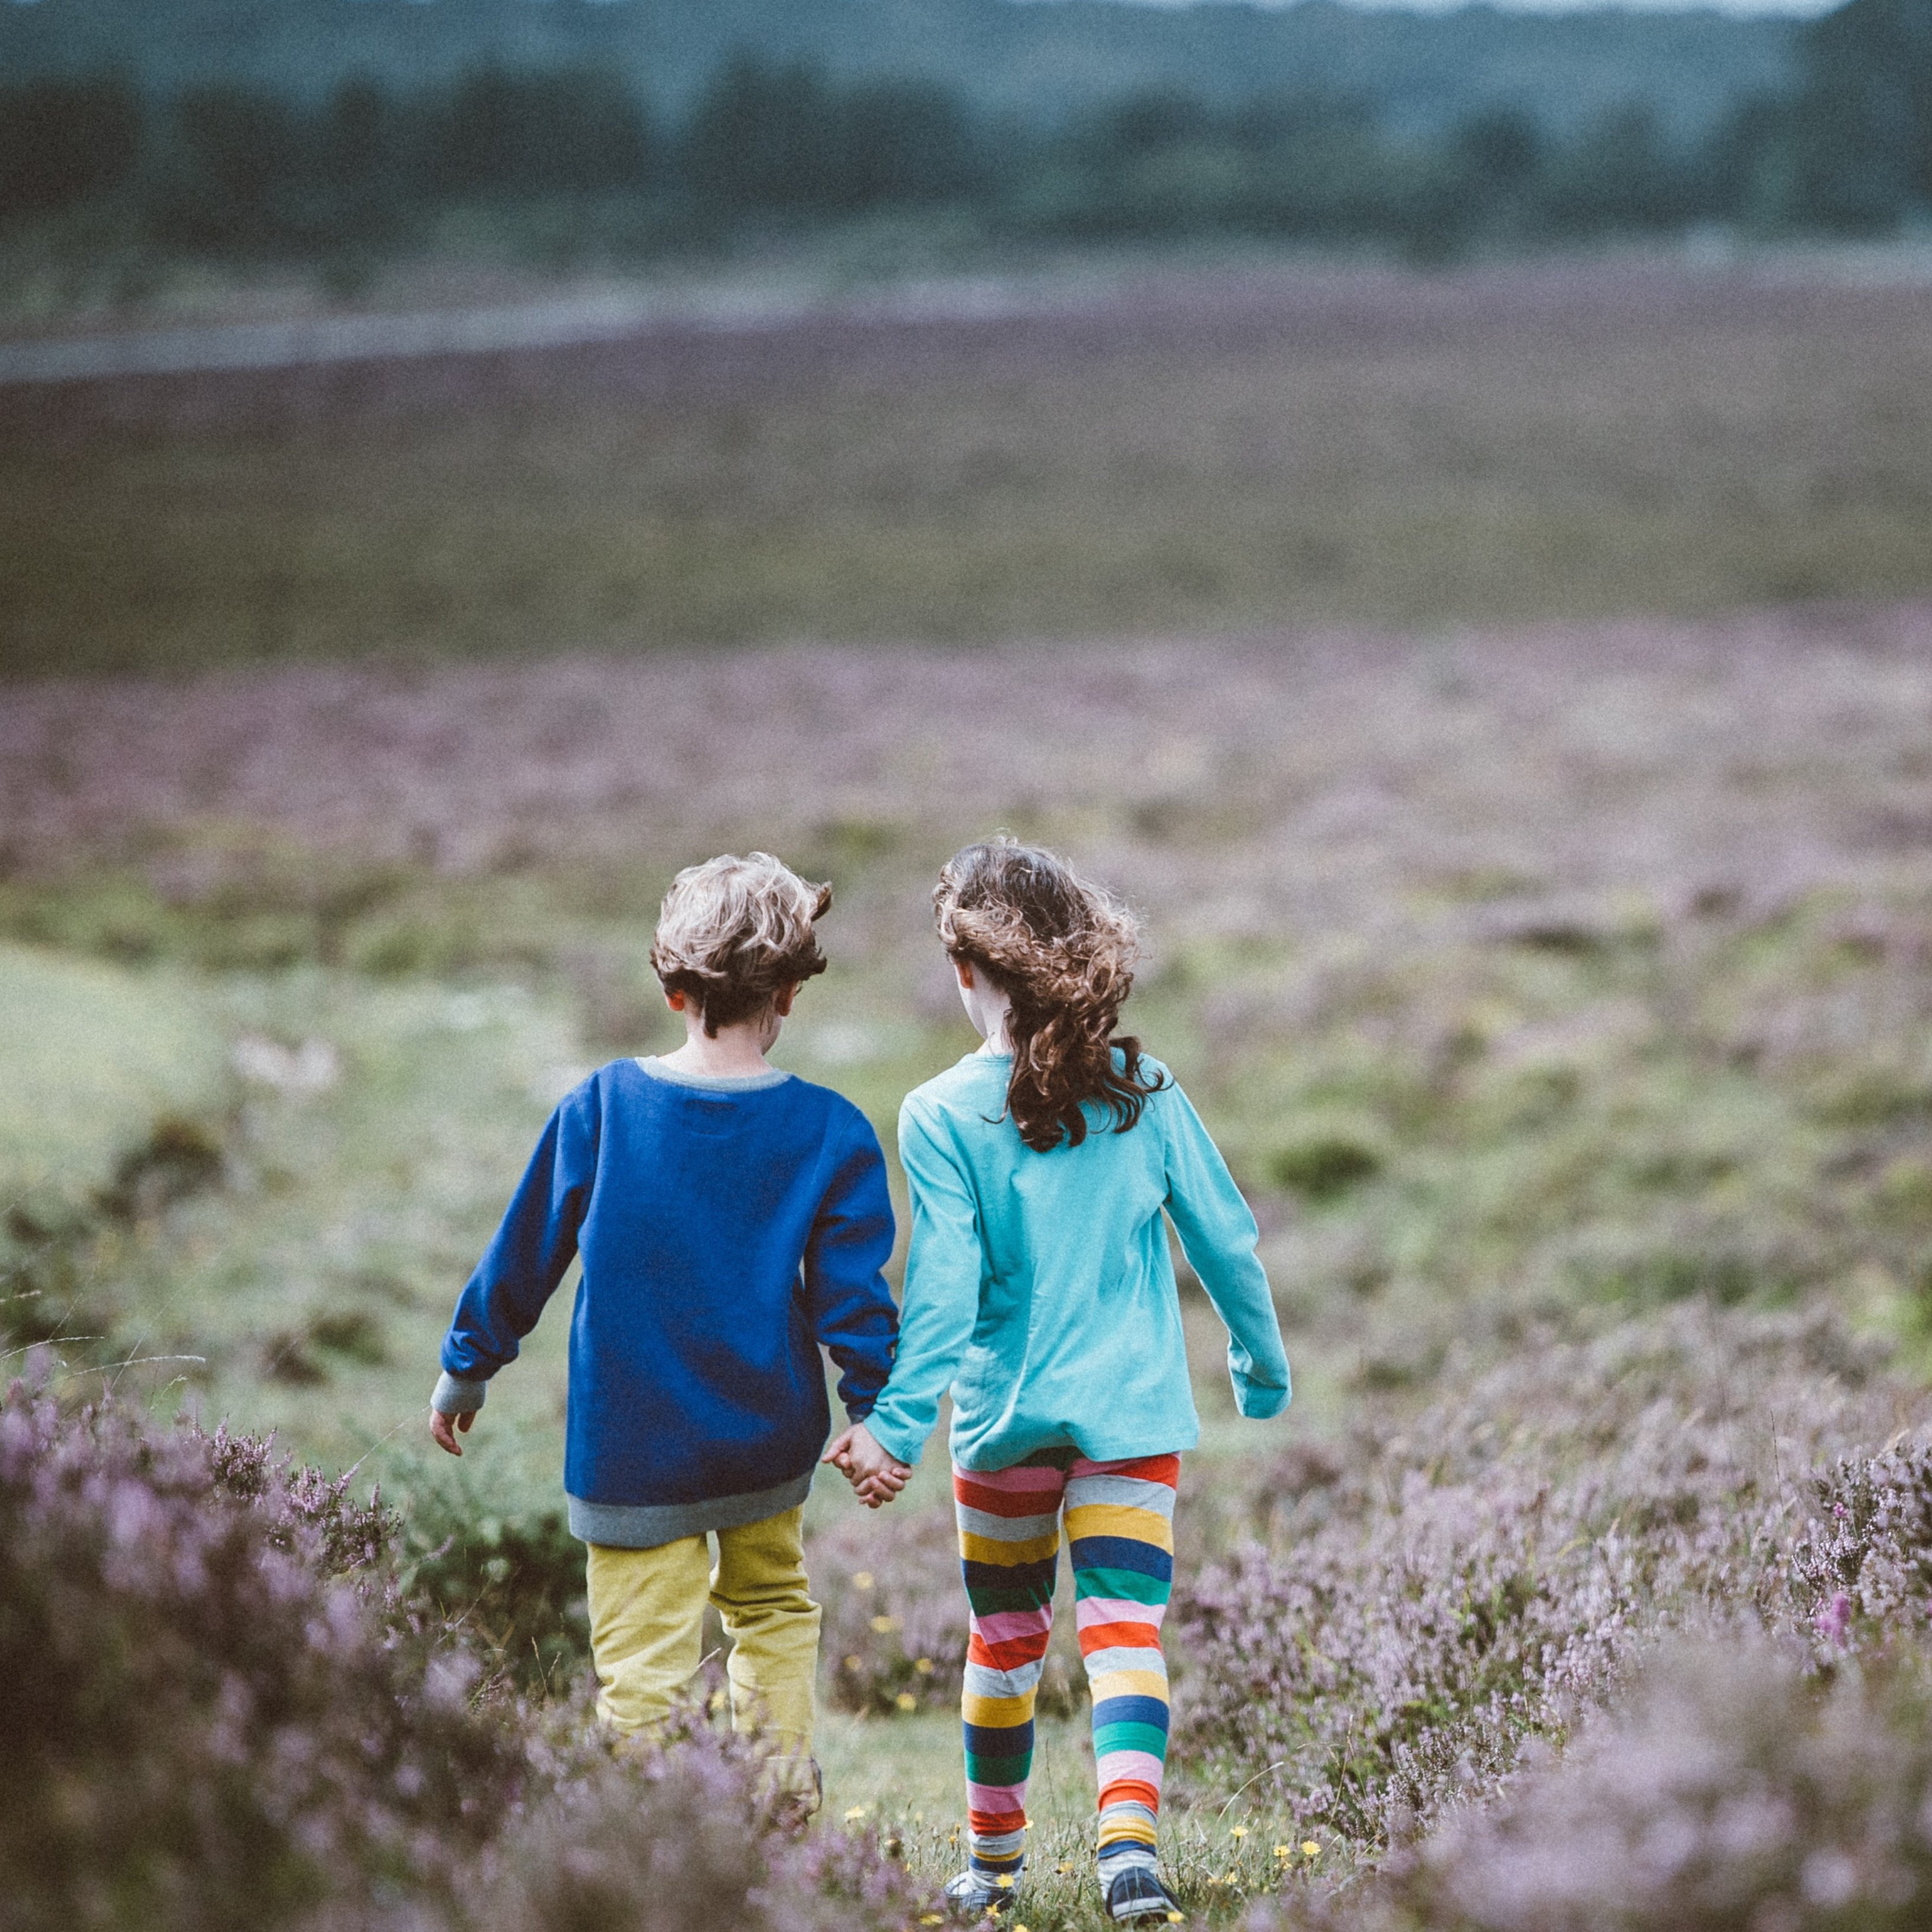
x: 1119, y: 1533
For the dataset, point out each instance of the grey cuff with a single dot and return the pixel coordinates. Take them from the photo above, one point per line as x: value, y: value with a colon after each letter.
x: 456, y: 1395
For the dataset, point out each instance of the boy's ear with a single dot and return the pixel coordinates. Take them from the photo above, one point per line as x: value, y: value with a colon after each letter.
x: 782, y: 999
x: 675, y: 1001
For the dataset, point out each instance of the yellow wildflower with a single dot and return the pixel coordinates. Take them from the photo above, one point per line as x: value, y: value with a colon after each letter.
x: 906, y: 1701
x: 883, y: 1625
x: 1309, y: 1849
x: 862, y: 1579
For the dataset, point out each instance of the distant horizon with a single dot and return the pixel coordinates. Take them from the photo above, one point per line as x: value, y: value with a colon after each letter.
x: 1796, y: 10
x: 1738, y: 9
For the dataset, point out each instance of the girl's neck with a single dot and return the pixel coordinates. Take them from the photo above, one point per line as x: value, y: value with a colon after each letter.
x: 987, y: 1008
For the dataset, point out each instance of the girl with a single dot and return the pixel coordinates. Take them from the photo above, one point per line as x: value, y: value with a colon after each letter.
x: 1039, y: 1291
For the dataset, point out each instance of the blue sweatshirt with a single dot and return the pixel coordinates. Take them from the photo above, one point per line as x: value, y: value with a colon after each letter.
x: 1039, y: 1288
x: 728, y: 1227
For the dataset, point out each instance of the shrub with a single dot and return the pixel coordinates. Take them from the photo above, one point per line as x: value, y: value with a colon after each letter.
x: 1866, y: 1562
x: 1732, y: 1795
x: 215, y: 1717
x: 1436, y: 1594
x: 1324, y: 1166
x: 678, y: 1836
x: 515, y: 1588
x: 221, y: 1712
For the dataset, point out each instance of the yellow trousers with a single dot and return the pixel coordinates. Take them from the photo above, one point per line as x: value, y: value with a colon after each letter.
x: 647, y: 1620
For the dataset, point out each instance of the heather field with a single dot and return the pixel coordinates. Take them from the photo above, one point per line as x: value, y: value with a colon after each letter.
x: 1562, y: 994
x: 1215, y: 444
x: 1506, y: 696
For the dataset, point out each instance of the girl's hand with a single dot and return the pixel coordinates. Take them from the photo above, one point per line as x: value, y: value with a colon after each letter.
x: 876, y: 1476
x: 440, y: 1427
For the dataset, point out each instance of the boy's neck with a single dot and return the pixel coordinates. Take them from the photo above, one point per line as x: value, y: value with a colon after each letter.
x: 732, y: 1053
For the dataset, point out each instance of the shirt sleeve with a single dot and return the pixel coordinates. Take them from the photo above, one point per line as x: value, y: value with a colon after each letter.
x: 852, y: 1315
x: 522, y: 1266
x: 942, y: 1290
x: 1218, y: 1235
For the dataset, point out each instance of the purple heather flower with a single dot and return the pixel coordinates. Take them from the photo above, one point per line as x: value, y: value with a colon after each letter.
x: 1834, y: 1623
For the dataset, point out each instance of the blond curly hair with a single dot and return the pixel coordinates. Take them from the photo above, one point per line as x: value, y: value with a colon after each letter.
x: 1063, y: 950
x: 732, y: 931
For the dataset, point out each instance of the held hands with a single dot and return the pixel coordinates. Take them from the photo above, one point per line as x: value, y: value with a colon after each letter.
x: 440, y: 1427
x: 876, y: 1476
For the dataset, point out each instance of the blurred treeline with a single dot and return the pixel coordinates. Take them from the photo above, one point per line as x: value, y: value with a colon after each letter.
x: 575, y: 161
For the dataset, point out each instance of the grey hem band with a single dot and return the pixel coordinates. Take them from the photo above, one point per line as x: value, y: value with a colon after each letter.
x: 457, y: 1395
x: 645, y: 1525
x: 710, y: 1083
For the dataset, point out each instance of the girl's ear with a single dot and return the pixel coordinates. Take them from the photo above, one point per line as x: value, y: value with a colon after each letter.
x: 964, y: 969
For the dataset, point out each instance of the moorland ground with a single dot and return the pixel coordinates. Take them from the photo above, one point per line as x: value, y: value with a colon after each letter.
x: 1561, y: 991
x: 1536, y: 982
x: 1132, y: 454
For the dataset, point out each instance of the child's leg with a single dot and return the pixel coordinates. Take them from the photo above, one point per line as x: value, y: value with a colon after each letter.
x: 1009, y: 1542
x: 759, y: 1588
x: 1120, y: 1535
x: 647, y: 1625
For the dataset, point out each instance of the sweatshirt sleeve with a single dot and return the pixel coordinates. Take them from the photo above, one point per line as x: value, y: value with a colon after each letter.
x: 852, y: 1315
x: 1218, y: 1234
x: 522, y: 1266
x: 942, y: 1290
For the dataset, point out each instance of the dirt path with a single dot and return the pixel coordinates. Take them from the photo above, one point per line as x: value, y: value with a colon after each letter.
x: 610, y: 316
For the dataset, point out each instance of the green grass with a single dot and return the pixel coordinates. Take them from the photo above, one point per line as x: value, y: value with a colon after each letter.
x: 902, y: 1775
x: 93, y: 1057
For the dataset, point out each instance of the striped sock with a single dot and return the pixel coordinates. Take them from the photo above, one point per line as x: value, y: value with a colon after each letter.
x: 1008, y: 1547
x: 1119, y: 1533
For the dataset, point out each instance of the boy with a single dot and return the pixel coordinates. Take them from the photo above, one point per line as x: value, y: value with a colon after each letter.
x: 730, y: 1218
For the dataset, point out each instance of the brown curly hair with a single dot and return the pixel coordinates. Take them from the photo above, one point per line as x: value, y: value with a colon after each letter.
x: 733, y: 931
x: 1062, y: 950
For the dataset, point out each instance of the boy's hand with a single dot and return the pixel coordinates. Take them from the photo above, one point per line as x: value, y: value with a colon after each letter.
x: 875, y: 1491
x: 876, y: 1476
x: 440, y: 1427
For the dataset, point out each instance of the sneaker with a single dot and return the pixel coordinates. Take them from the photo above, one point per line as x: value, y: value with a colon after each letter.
x: 1136, y: 1896
x: 978, y: 1894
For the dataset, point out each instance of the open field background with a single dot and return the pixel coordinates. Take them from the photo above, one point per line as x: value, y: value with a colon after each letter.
x: 1539, y: 904
x: 1139, y: 453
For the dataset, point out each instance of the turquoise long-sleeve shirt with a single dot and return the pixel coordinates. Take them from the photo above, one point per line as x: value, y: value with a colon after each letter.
x: 1039, y: 1288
